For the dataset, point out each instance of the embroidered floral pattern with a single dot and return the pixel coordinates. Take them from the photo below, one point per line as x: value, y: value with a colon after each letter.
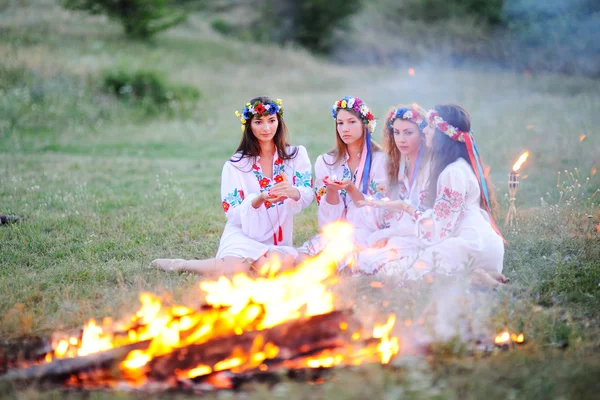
x: 448, y: 204
x: 377, y: 190
x: 319, y: 193
x: 266, y: 183
x: 402, y: 191
x: 302, y: 179
x: 347, y: 175
x: 233, y: 199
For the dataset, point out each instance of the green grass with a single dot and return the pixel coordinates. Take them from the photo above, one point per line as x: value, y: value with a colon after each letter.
x: 104, y: 188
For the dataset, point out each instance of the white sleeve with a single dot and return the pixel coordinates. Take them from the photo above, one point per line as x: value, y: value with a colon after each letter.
x: 238, y: 206
x: 378, y: 179
x: 302, y: 180
x: 441, y: 221
x: 327, y: 212
x: 371, y: 218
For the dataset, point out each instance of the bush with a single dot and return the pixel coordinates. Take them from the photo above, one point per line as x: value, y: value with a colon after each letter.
x: 150, y: 89
x: 141, y: 19
x: 310, y: 23
x: 222, y: 26
x: 315, y: 21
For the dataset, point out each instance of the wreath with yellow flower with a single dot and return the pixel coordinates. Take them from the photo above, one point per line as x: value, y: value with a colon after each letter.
x: 357, y: 105
x: 258, y: 108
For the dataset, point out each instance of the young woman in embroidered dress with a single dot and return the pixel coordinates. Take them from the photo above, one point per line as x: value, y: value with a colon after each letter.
x: 408, y: 159
x: 263, y: 185
x: 353, y: 169
x: 455, y: 227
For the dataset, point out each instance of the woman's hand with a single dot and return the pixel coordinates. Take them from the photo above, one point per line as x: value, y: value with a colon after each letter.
x: 337, y: 185
x: 395, y: 205
x: 380, y: 243
x: 262, y: 198
x: 283, y: 190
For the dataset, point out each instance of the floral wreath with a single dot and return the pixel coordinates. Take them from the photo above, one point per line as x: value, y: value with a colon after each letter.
x: 357, y: 105
x: 258, y: 108
x: 438, y: 122
x: 408, y: 115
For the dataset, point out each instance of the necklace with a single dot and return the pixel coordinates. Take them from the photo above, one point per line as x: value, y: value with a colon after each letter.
x: 276, y: 239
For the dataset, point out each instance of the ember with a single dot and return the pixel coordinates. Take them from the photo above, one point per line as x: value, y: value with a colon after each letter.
x: 506, y: 338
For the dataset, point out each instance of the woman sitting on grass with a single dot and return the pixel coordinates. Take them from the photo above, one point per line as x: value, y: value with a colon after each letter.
x: 408, y: 160
x: 454, y: 223
x: 355, y: 167
x: 263, y: 185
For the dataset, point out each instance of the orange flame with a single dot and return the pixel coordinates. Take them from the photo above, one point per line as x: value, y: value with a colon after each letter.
x: 411, y: 71
x: 520, y: 161
x: 581, y: 137
x: 507, y: 338
x: 237, y: 306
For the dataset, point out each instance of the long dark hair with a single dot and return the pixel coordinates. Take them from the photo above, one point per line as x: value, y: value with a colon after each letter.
x: 445, y: 151
x: 341, y: 148
x: 249, y: 145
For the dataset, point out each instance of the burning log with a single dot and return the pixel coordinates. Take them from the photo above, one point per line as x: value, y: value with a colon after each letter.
x: 25, y: 350
x: 292, y: 339
x: 62, y: 369
x: 250, y: 327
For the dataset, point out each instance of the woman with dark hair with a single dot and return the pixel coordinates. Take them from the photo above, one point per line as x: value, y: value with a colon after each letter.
x: 353, y: 169
x: 454, y: 224
x: 263, y: 185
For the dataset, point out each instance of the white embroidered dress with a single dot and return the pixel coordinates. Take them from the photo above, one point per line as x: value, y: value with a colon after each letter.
x: 452, y: 235
x: 382, y: 224
x: 251, y: 232
x: 325, y: 167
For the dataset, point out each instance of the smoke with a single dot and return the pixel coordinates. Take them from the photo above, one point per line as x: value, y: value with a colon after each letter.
x: 560, y: 36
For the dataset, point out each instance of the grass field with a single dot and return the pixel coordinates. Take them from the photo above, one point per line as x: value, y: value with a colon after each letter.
x: 104, y: 188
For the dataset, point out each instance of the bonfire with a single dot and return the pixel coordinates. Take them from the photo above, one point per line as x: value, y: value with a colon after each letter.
x: 284, y: 320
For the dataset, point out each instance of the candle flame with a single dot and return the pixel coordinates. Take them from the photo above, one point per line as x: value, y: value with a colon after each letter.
x: 520, y: 161
x: 581, y: 137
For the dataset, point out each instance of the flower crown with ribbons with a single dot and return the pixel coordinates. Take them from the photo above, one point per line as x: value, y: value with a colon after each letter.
x: 357, y: 105
x: 453, y: 132
x: 409, y: 115
x: 366, y: 116
x: 467, y: 138
x: 259, y: 108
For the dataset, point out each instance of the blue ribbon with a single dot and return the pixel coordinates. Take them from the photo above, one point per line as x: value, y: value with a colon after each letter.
x: 367, y: 168
x: 480, y: 171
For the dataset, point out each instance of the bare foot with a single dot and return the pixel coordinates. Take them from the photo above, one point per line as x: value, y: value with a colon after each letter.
x: 498, y: 276
x: 169, y: 264
x: 482, y: 279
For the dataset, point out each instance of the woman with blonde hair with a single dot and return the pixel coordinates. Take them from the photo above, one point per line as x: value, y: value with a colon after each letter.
x: 353, y: 169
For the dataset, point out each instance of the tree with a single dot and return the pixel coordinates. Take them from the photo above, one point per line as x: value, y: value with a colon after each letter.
x: 141, y: 19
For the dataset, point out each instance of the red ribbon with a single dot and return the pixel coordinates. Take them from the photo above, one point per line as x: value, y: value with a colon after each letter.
x: 469, y: 144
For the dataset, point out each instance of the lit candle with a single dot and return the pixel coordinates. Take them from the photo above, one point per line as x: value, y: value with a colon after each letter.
x: 513, y: 186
